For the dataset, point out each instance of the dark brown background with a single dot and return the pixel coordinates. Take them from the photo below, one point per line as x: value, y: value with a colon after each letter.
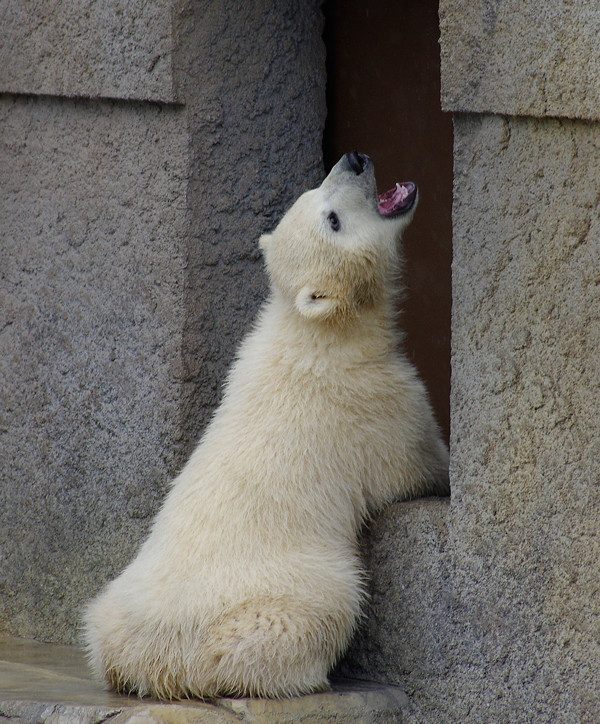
x: 383, y: 98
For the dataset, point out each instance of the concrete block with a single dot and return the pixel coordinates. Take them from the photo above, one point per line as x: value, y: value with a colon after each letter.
x: 93, y: 211
x: 406, y: 635
x: 119, y: 49
x: 520, y: 57
x: 360, y: 702
x: 255, y: 91
x: 525, y: 400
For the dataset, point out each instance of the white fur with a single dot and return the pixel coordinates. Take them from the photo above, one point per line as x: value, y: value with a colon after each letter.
x: 250, y: 583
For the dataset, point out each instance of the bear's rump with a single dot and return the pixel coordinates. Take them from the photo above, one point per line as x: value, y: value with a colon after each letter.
x: 273, y: 646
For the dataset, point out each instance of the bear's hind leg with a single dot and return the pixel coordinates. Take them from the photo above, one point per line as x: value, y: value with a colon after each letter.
x: 273, y: 647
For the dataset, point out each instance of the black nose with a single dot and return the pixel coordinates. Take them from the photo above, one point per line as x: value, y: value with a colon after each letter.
x: 358, y: 161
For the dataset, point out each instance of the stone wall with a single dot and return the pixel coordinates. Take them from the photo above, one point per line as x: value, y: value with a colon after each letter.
x: 83, y: 48
x: 526, y: 505
x: 145, y: 147
x: 91, y: 267
x: 487, y: 608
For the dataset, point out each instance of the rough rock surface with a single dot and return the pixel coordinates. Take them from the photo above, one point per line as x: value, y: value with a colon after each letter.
x: 405, y: 634
x: 255, y: 146
x: 121, y: 49
x: 521, y: 57
x: 91, y: 269
x: 50, y: 684
x: 526, y: 446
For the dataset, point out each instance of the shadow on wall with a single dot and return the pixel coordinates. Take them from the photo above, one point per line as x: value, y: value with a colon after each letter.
x: 383, y: 98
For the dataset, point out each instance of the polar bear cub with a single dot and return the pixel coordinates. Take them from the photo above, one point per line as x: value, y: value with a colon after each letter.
x: 250, y: 583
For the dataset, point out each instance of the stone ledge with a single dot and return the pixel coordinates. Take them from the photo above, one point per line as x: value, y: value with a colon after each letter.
x: 50, y: 684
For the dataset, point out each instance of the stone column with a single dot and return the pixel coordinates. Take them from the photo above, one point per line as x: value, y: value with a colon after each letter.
x: 522, y: 81
x: 145, y: 146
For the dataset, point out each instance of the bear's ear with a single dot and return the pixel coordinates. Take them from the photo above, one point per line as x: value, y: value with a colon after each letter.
x: 264, y: 241
x: 315, y: 305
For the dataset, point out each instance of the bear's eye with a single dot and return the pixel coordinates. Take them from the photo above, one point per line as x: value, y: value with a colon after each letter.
x: 334, y: 221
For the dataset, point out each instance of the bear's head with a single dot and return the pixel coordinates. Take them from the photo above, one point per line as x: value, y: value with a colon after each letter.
x: 335, y: 252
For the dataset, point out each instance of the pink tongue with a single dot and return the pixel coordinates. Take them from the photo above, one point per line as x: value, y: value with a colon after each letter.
x: 394, y: 200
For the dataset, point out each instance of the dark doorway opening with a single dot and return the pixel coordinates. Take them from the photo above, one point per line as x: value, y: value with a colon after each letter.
x: 383, y: 98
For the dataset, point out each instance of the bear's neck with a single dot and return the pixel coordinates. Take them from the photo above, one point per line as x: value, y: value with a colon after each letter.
x: 370, y: 335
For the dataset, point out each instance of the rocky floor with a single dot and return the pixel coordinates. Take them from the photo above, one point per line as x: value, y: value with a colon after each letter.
x: 51, y: 684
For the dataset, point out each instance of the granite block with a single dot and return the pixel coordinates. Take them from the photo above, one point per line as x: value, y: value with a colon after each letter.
x: 521, y: 58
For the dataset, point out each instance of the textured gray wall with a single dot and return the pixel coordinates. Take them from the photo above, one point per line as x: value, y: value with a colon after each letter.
x: 93, y: 217
x: 486, y: 608
x: 526, y: 506
x: 409, y: 628
x: 117, y: 49
x: 521, y: 57
x: 129, y: 267
x: 255, y: 80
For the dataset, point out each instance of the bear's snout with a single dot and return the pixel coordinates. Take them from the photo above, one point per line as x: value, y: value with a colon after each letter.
x: 358, y: 161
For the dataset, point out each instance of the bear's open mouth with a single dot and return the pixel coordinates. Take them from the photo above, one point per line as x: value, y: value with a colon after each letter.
x: 398, y: 200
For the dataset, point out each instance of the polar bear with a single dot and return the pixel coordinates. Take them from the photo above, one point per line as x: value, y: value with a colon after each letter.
x: 250, y: 583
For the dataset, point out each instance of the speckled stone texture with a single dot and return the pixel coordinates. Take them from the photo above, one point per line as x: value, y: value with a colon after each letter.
x: 407, y: 631
x: 526, y: 442
x: 255, y: 81
x: 117, y: 49
x: 91, y: 269
x: 521, y: 57
x: 129, y: 271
